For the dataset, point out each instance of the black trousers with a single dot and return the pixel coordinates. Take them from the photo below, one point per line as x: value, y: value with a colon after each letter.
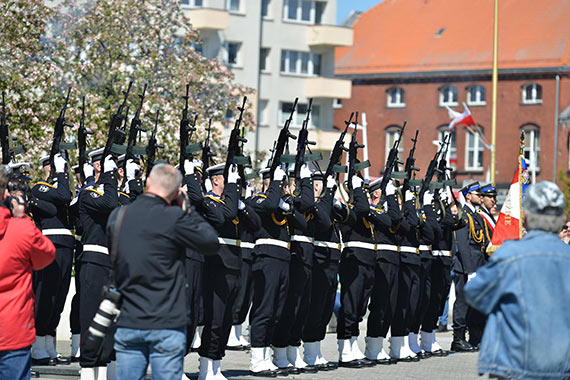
x: 51, y: 286
x: 221, y: 286
x: 408, y: 296
x: 270, y: 283
x: 383, y: 300
x: 245, y: 293
x: 194, y: 270
x: 323, y: 295
x: 424, y: 295
x: 74, y: 322
x: 440, y: 285
x: 290, y: 328
x: 460, y: 306
x: 356, y: 282
x: 93, y: 277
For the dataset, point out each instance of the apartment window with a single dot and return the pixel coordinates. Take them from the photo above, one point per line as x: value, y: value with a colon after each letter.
x: 300, y: 114
x: 191, y: 3
x: 532, y: 146
x: 263, y: 113
x: 337, y: 103
x: 234, y: 5
x: 448, y: 96
x: 393, y: 134
x: 232, y: 51
x: 395, y: 97
x: 319, y: 10
x: 299, y: 10
x: 264, y: 59
x: 300, y: 62
x: 265, y: 8
x: 473, y: 150
x: 229, y: 116
x: 476, y: 95
x: 451, y: 156
x: 532, y: 93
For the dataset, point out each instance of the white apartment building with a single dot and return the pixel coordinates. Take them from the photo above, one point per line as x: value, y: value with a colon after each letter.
x: 283, y: 49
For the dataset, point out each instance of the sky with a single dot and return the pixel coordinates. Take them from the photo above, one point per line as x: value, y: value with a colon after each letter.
x: 345, y: 6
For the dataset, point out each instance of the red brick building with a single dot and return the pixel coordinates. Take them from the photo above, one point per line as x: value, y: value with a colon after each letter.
x: 411, y: 58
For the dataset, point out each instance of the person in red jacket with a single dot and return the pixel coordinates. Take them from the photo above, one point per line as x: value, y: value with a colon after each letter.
x: 23, y: 249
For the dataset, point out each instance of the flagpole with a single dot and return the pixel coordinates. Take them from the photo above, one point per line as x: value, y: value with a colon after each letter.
x: 495, y: 80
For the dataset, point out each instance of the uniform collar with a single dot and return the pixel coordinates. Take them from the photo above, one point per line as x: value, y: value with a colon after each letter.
x: 212, y: 194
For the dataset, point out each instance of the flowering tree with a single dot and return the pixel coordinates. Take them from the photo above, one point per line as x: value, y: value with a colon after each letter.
x: 96, y: 47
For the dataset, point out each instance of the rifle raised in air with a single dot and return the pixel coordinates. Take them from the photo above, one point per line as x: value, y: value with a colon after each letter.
x: 334, y: 165
x: 136, y: 127
x: 431, y: 170
x: 282, y: 140
x: 235, y: 148
x: 152, y: 146
x: 82, y: 134
x: 56, y: 145
x: 354, y: 164
x: 391, y: 162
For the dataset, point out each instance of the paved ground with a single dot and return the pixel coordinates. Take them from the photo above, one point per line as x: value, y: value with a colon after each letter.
x: 235, y: 366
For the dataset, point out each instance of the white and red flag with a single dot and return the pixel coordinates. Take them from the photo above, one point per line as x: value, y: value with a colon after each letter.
x: 460, y: 118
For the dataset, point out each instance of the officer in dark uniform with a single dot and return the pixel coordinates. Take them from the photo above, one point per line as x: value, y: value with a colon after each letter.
x: 471, y: 245
x: 488, y: 201
x: 270, y: 270
x: 95, y: 204
x: 327, y: 249
x: 52, y: 283
x: 288, y: 332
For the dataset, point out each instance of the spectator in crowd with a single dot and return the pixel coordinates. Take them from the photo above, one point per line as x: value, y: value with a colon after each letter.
x: 152, y: 237
x: 524, y: 290
x: 23, y: 249
x: 565, y: 232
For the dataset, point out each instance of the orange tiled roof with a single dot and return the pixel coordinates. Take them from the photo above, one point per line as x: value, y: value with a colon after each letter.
x: 398, y: 36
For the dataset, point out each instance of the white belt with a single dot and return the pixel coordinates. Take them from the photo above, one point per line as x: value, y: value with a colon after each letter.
x: 371, y: 246
x: 424, y: 247
x: 302, y: 239
x: 225, y: 241
x: 279, y: 243
x: 328, y: 244
x: 409, y: 249
x: 57, y: 231
x: 245, y: 244
x: 95, y: 248
x: 439, y: 252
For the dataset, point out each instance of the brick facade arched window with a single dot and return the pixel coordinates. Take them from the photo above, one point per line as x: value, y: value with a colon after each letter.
x: 392, y: 134
x: 442, y: 132
x: 395, y: 97
x: 532, y: 146
x: 531, y: 93
x: 474, y: 149
x: 448, y: 96
x: 476, y: 95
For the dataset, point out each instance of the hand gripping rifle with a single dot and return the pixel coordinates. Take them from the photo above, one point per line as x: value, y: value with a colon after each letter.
x: 354, y: 164
x: 334, y: 165
x: 431, y: 170
x: 282, y: 141
x: 57, y: 145
x: 82, y: 134
x: 136, y: 127
x: 235, y: 148
x: 207, y: 154
x: 116, y: 132
x: 410, y: 168
x: 391, y: 162
x: 152, y: 146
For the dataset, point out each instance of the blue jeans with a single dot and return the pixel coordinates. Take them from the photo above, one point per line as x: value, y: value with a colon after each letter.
x: 164, y: 348
x: 15, y: 364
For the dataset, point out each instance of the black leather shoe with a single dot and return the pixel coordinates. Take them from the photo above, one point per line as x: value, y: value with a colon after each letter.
x: 427, y: 354
x: 422, y: 355
x: 63, y: 360
x: 266, y: 373
x: 441, y: 328
x: 309, y: 369
x: 439, y: 353
x: 236, y: 348
x: 367, y: 362
x: 330, y: 366
x: 42, y: 361
x: 461, y: 346
x: 34, y: 374
x: 383, y: 361
x: 287, y: 371
x: 351, y: 364
x: 409, y: 359
x: 393, y: 361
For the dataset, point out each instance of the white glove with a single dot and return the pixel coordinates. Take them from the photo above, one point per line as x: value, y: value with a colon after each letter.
x: 428, y: 198
x: 132, y: 168
x: 337, y: 204
x: 189, y: 167
x: 197, y: 162
x: 284, y: 205
x: 278, y: 174
x: 59, y: 163
x: 88, y: 170
x: 241, y: 205
x: 233, y: 174
x: 446, y: 195
x: 305, y: 172
x: 208, y: 184
x: 249, y: 190
x: 356, y: 182
x: 390, y: 188
x: 110, y: 164
x: 330, y: 182
x: 409, y: 195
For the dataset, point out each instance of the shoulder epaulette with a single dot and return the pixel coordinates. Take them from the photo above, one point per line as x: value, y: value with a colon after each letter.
x: 125, y: 194
x: 214, y: 199
x: 45, y: 184
x: 95, y: 191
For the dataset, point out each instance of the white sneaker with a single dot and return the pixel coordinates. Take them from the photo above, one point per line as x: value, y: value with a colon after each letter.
x: 218, y: 375
x: 355, y: 349
x: 88, y: 373
x: 102, y: 373
x: 345, y: 353
x: 294, y: 357
x: 233, y: 340
x: 206, y: 369
x: 197, y: 341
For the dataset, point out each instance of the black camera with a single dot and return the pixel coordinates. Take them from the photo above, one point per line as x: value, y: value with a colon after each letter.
x: 107, y: 314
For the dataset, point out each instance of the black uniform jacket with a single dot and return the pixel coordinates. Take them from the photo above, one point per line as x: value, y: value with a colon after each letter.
x: 251, y: 223
x: 324, y: 227
x: 471, y: 243
x: 59, y: 195
x: 304, y: 204
x: 149, y: 268
x: 443, y: 231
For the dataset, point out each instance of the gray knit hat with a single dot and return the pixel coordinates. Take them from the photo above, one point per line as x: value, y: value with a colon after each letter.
x: 544, y: 198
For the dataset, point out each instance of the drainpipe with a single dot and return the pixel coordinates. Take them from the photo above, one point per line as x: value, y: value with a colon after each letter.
x: 556, y: 102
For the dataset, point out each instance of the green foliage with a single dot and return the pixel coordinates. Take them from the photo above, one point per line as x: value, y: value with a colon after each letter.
x: 564, y: 183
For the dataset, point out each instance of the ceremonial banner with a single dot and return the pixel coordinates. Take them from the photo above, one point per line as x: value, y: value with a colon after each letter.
x: 460, y: 118
x: 509, y: 224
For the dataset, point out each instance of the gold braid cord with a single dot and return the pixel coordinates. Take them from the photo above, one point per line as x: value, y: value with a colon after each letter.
x: 472, y: 233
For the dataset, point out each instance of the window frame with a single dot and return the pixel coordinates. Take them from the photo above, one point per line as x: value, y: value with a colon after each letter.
x: 337, y: 103
x: 389, y: 141
x: 532, y: 134
x: 263, y: 113
x: 268, y: 15
x: 443, y: 131
x: 299, y: 12
x: 536, y: 88
x: 282, y: 116
x: 441, y: 93
x: 482, y: 101
x: 238, y: 62
x: 478, y: 150
x: 240, y: 9
x: 267, y: 61
x: 191, y: 4
x: 401, y: 94
x: 311, y: 65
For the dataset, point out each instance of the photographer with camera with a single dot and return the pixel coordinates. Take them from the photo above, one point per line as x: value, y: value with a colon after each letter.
x: 23, y: 249
x: 148, y: 244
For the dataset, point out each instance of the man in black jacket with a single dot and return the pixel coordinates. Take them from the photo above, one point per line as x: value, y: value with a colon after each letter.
x: 152, y: 237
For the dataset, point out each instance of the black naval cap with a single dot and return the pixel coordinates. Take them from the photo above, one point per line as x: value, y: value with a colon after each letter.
x: 120, y: 160
x: 76, y: 169
x: 317, y: 175
x: 472, y: 188
x: 375, y: 185
x: 44, y: 161
x: 96, y: 154
x: 488, y: 190
x: 216, y: 170
x: 265, y: 173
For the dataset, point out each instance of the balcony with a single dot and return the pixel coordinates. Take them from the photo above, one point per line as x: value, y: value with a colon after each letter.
x: 208, y: 18
x: 321, y: 87
x: 329, y: 35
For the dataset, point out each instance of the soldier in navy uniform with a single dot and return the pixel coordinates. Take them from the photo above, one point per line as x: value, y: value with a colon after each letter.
x: 96, y: 202
x: 471, y: 245
x: 327, y: 249
x: 288, y: 332
x: 52, y: 283
x: 488, y: 202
